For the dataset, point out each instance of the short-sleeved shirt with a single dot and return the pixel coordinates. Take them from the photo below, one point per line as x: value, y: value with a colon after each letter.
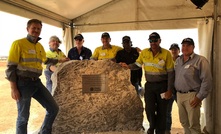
x: 74, y: 55
x: 128, y: 58
x: 100, y: 53
x: 194, y: 74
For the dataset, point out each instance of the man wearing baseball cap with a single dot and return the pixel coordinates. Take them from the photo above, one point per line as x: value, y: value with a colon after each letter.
x: 174, y: 50
x: 55, y: 53
x: 107, y: 51
x: 79, y: 52
x: 159, y: 73
x: 129, y: 55
x: 193, y: 82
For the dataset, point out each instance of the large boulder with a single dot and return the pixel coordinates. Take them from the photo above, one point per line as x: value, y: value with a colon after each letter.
x: 118, y: 108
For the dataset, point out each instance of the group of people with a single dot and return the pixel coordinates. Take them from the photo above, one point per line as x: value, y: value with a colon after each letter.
x: 186, y: 78
x: 117, y: 54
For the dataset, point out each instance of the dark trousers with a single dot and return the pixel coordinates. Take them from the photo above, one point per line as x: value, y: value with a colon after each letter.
x: 156, y: 107
x: 137, y: 85
x: 169, y: 112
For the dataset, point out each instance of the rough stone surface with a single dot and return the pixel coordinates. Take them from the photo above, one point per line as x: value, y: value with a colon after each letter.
x: 117, y: 110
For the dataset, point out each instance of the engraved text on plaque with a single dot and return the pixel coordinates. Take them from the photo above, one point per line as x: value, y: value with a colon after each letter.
x: 94, y: 83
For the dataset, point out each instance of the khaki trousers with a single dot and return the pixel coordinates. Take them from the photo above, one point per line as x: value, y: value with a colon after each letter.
x: 189, y: 116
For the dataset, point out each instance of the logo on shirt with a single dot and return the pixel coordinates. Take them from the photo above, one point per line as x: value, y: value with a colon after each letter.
x: 103, y: 54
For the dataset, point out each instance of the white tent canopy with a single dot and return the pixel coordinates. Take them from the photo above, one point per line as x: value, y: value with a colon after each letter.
x: 77, y: 16
x: 101, y: 15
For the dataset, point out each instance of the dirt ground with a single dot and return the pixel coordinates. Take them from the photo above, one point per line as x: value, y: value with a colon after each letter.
x: 8, y: 110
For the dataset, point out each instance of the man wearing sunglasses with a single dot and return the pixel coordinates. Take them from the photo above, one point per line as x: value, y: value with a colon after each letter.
x: 79, y: 52
x: 159, y: 73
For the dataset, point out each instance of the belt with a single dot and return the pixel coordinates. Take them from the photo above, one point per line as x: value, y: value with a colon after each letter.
x: 157, y: 81
x: 28, y: 78
x: 182, y: 92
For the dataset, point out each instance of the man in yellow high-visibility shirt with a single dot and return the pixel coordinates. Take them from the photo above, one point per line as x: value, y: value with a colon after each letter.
x: 107, y: 51
x: 24, y: 68
x: 55, y: 53
x: 159, y: 73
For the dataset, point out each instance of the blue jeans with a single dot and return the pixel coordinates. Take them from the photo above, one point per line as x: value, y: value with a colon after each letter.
x: 48, y: 79
x: 169, y: 111
x: 39, y: 92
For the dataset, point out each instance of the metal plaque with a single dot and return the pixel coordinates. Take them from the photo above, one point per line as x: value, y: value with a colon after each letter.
x: 94, y: 83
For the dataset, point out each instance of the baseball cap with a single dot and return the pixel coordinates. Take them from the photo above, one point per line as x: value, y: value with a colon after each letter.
x: 154, y: 35
x: 174, y: 45
x: 79, y: 37
x: 105, y: 34
x: 188, y: 40
x: 126, y: 39
x: 55, y: 38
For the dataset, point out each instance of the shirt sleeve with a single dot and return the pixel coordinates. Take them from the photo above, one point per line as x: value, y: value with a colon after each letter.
x: 139, y: 61
x: 169, y: 63
x: 119, y: 48
x: 14, y: 53
x: 13, y: 60
x: 206, y: 79
x: 95, y: 55
x: 69, y: 54
x: 63, y: 55
x: 170, y: 71
x: 118, y: 57
x: 89, y: 54
x: 43, y: 54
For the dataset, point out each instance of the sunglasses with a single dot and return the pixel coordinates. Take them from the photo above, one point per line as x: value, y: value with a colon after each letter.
x: 153, y: 40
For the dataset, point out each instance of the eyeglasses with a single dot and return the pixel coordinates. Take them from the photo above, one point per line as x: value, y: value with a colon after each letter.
x: 154, y: 40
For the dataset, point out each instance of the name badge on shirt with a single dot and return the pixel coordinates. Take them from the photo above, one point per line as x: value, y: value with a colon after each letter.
x: 31, y: 51
x: 81, y: 58
x: 161, y: 62
x: 187, y: 66
x: 103, y: 54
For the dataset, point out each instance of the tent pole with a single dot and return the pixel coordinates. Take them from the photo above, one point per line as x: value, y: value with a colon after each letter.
x: 214, y: 56
x: 72, y: 33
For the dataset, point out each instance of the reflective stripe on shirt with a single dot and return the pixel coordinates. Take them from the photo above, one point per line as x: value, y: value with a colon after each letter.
x: 153, y: 65
x: 25, y: 58
x: 31, y: 60
x: 34, y: 70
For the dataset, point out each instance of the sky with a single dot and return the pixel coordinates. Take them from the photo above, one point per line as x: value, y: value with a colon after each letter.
x: 139, y: 38
x: 14, y: 27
